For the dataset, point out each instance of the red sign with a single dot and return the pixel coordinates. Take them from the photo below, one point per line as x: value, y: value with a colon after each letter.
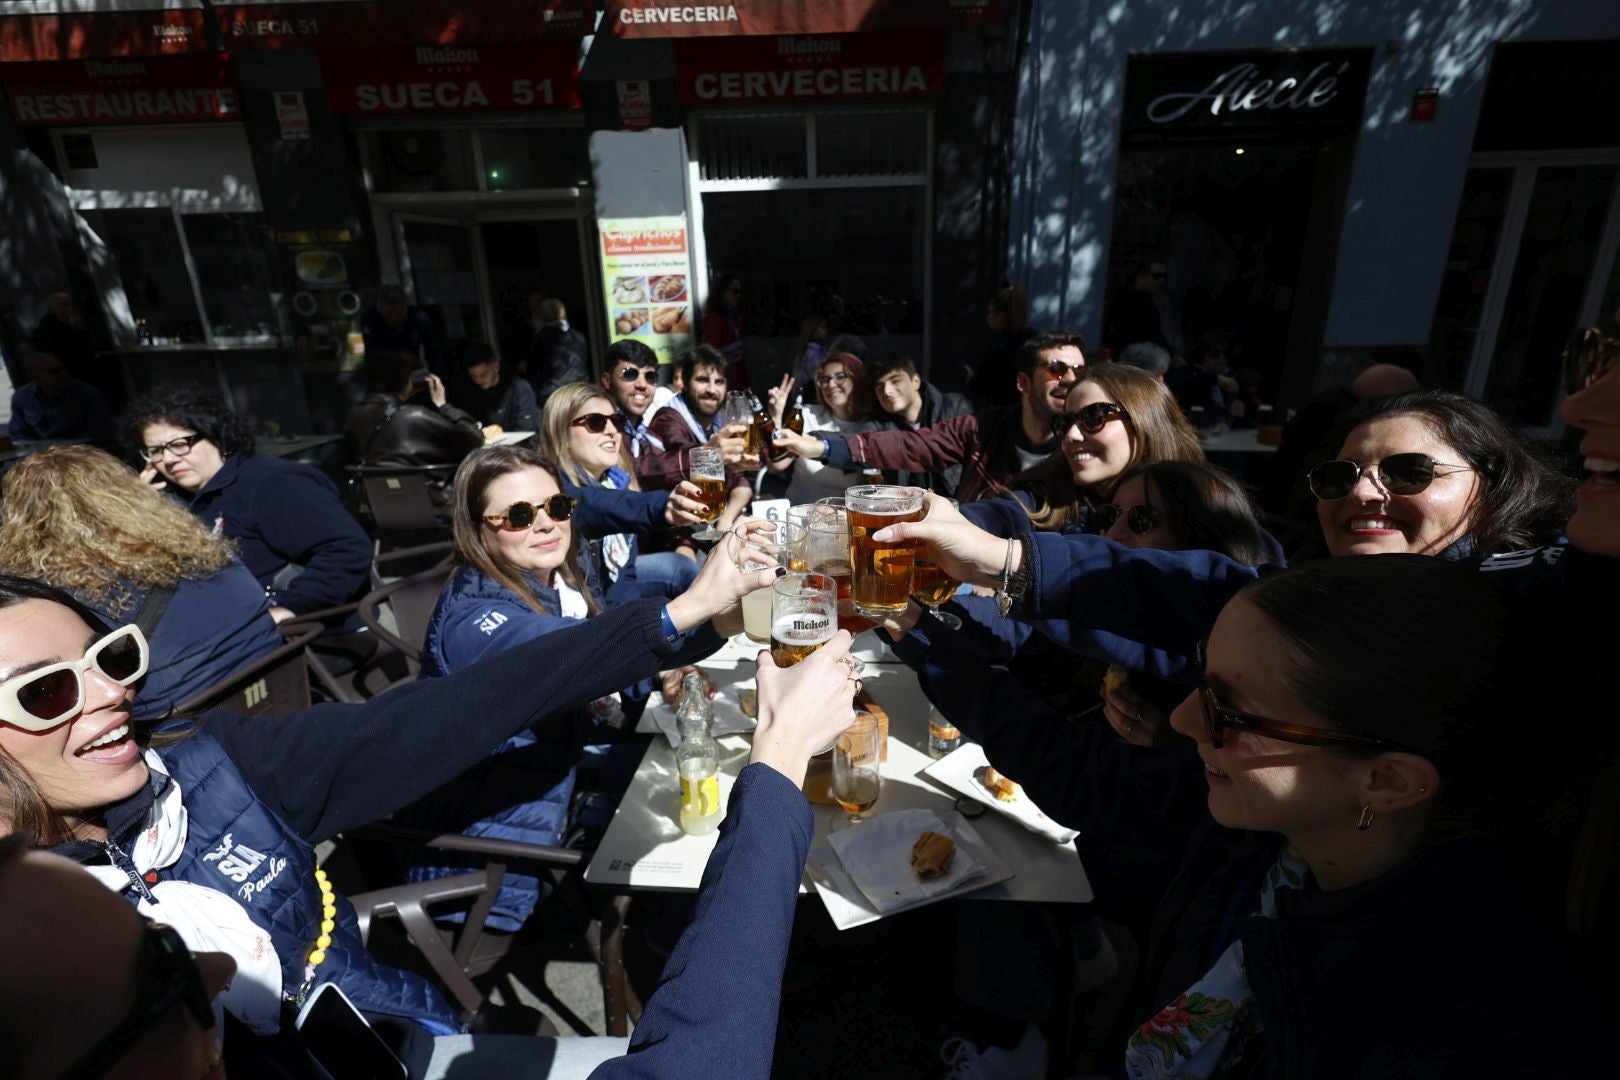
x: 1425, y: 103
x: 77, y: 35
x: 148, y: 90
x: 825, y: 67
x: 451, y: 78
x: 676, y: 18
x: 293, y: 25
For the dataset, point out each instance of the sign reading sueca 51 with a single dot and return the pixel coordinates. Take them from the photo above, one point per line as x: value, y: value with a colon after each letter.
x: 451, y: 78
x: 810, y: 67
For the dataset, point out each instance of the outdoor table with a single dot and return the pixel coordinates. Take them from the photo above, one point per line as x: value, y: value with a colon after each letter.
x: 295, y: 447
x: 644, y: 848
x: 1235, y: 441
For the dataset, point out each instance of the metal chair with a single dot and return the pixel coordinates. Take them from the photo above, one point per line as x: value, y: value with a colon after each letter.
x: 412, y: 600
x: 457, y: 967
x: 398, y: 500
x: 275, y: 683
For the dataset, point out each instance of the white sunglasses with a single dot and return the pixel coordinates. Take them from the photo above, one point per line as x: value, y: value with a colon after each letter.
x: 39, y: 700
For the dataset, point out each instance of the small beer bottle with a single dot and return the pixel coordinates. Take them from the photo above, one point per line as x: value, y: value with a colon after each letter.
x: 793, y: 419
x: 698, y: 759
x: 763, y: 428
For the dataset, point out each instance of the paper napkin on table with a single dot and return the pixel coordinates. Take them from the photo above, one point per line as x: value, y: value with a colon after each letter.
x: 876, y: 854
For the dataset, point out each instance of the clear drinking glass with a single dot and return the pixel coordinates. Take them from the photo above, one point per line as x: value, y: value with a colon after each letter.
x: 804, y: 616
x: 761, y: 546
x: 881, y: 573
x: 931, y: 587
x: 706, y: 467
x: 857, y: 778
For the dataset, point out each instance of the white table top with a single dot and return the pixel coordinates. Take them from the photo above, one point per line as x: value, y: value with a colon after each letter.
x: 644, y: 847
x: 509, y: 438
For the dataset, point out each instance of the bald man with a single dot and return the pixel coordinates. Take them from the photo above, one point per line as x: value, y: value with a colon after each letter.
x: 1382, y: 381
x: 80, y: 963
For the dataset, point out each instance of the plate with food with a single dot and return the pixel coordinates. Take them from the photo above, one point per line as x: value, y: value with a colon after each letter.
x: 966, y: 770
x: 321, y: 268
x: 668, y: 288
x: 631, y: 321
x: 898, y: 861
x: 629, y: 290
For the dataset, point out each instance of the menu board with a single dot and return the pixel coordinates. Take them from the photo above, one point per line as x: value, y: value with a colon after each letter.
x: 646, y: 271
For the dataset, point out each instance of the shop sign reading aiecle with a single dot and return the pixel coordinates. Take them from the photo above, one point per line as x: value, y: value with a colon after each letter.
x: 1320, y: 88
x: 1240, y: 88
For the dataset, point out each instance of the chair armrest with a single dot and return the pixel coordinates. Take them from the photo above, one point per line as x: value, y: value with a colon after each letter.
x: 447, y: 547
x: 409, y: 903
x: 481, y: 845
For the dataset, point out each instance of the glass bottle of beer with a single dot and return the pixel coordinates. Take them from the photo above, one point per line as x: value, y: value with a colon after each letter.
x: 763, y: 426
x: 793, y: 419
x: 698, y: 759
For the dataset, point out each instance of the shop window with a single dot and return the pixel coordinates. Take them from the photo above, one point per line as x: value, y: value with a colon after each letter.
x: 752, y: 147
x: 534, y: 158
x: 871, y: 143
x: 418, y: 161
x: 151, y: 264
x: 233, y: 254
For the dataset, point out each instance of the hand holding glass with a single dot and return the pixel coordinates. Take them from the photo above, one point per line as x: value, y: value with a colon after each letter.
x: 706, y: 468
x: 764, y: 545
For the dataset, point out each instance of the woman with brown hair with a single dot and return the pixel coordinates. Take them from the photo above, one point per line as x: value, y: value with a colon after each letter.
x: 1114, y: 419
x: 845, y: 408
x: 78, y: 518
x: 519, y: 576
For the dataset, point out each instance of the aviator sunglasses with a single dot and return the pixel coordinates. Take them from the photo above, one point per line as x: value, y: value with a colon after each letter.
x: 39, y: 700
x: 1140, y: 518
x: 597, y: 422
x: 169, y: 975
x: 1091, y: 419
x: 1218, y: 716
x: 1398, y: 474
x: 521, y: 515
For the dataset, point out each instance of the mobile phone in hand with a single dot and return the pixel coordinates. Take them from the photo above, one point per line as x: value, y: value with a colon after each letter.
x: 341, y: 1040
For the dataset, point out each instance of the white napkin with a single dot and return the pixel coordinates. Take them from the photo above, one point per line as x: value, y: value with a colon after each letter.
x: 729, y: 718
x: 876, y: 853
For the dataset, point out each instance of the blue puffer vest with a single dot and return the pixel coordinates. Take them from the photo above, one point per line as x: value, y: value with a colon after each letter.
x: 241, y: 847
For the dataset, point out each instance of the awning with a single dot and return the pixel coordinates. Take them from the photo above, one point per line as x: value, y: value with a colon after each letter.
x: 85, y: 29
x: 299, y: 24
x: 817, y: 67
x: 436, y: 79
x: 683, y: 18
x: 137, y: 90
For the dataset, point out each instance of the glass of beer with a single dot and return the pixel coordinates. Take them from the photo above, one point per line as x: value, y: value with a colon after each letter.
x: 881, y: 574
x: 804, y: 616
x: 706, y: 467
x: 931, y: 586
x: 762, y: 546
x: 857, y: 777
x: 827, y: 551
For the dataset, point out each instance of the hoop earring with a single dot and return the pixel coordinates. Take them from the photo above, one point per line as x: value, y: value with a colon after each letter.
x: 1364, y: 822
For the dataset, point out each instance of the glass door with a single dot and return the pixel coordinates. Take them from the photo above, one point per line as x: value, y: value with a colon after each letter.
x: 442, y: 262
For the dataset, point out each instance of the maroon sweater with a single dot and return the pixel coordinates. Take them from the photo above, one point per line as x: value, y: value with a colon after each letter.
x: 984, y: 443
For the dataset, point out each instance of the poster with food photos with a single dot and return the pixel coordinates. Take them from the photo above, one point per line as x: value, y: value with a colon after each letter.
x: 646, y: 268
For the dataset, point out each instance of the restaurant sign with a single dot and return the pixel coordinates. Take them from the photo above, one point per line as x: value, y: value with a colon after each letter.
x: 675, y: 18
x: 451, y: 78
x: 1217, y: 91
x: 646, y: 268
x: 148, y: 90
x: 821, y: 67
x: 300, y: 24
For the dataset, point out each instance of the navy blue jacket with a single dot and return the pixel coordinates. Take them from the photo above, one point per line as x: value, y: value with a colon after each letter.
x: 212, y: 627
x: 318, y: 771
x: 637, y: 512
x: 522, y: 791
x: 79, y: 412
x: 281, y: 513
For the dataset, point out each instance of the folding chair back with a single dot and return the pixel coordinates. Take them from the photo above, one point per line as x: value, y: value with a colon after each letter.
x: 271, y: 685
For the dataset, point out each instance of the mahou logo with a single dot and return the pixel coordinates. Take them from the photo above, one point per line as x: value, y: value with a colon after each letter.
x: 444, y: 54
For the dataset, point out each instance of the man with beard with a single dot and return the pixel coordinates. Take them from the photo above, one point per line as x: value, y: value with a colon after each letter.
x: 693, y: 419
x: 992, y: 445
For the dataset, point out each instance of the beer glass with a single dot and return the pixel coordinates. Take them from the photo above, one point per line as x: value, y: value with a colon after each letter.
x: 804, y: 616
x: 857, y: 778
x: 762, y: 546
x: 881, y: 574
x: 931, y: 586
x: 706, y: 467
x: 826, y: 549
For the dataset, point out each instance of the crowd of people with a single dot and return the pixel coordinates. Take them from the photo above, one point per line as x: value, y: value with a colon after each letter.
x: 1326, y: 795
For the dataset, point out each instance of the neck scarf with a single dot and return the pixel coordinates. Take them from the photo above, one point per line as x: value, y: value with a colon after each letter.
x: 1192, y: 1036
x: 680, y: 406
x: 208, y: 920
x: 615, y: 548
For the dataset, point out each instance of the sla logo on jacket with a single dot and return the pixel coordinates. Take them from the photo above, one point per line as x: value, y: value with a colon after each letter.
x: 238, y: 862
x: 490, y: 621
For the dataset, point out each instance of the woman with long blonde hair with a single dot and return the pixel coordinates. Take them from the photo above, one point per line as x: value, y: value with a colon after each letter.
x: 78, y: 518
x: 582, y: 432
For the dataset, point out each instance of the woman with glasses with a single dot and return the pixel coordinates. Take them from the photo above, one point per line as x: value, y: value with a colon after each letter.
x: 845, y: 408
x: 213, y: 822
x: 288, y: 521
x: 83, y: 521
x: 520, y: 575
x: 582, y: 431
x: 1345, y: 880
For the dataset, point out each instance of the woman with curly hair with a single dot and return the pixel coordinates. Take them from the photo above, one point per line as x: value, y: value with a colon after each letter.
x: 78, y: 518
x: 288, y: 520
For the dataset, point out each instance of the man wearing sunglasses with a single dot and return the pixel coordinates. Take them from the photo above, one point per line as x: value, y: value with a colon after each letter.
x: 92, y: 988
x: 630, y: 376
x: 991, y: 445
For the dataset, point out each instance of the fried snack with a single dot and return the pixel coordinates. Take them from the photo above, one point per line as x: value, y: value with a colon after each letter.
x: 1115, y: 678
x: 493, y: 432
x: 931, y: 856
x: 1000, y: 786
x: 664, y: 319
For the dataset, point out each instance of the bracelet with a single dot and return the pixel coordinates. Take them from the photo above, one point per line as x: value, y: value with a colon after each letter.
x: 826, y: 447
x: 1013, y: 583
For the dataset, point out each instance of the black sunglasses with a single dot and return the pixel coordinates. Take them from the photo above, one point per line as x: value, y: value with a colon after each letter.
x: 1398, y: 474
x: 1140, y: 518
x: 168, y: 975
x: 1218, y: 716
x: 629, y: 373
x: 1092, y: 419
x: 597, y: 422
x: 178, y: 447
x: 521, y: 515
x: 1588, y: 358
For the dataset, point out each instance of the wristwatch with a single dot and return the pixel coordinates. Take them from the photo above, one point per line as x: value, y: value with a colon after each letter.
x: 1014, y: 583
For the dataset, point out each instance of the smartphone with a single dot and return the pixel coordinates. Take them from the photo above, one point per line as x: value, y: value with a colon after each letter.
x: 419, y: 377
x: 342, y: 1042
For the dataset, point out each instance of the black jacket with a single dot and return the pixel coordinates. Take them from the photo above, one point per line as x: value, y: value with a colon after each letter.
x: 382, y: 431
x: 938, y: 406
x: 558, y: 356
